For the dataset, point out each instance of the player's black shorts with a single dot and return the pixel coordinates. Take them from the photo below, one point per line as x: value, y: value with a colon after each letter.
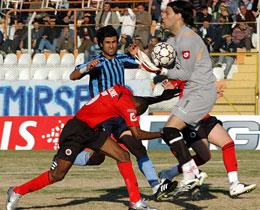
x: 115, y: 126
x: 206, y: 125
x: 76, y: 136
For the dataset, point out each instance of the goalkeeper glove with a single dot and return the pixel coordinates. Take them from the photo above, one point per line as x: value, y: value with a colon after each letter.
x: 144, y: 61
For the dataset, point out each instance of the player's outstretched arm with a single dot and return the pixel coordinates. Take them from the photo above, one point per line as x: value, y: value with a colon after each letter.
x: 142, y: 103
x: 139, y: 134
x: 81, y: 70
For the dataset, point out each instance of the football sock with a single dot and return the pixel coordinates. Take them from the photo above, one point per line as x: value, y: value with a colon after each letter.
x: 189, y: 169
x: 230, y: 161
x: 147, y: 168
x: 176, y: 170
x: 128, y: 174
x: 82, y: 159
x: 34, y: 184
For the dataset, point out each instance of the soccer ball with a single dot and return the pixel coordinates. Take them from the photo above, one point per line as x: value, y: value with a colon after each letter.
x: 163, y: 54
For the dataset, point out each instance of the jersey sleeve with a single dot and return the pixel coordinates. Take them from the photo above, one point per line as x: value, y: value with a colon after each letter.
x: 127, y: 110
x: 189, y: 49
x: 128, y: 61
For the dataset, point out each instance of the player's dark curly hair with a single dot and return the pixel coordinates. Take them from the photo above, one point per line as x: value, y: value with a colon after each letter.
x: 186, y: 10
x: 106, y: 31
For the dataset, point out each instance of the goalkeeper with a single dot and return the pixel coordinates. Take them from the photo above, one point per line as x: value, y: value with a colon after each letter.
x: 192, y: 65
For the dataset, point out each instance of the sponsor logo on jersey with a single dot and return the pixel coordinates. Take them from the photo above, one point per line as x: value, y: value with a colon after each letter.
x: 133, y: 117
x: 68, y: 152
x: 186, y: 54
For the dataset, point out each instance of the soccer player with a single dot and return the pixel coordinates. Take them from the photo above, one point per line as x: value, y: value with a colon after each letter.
x: 85, y: 130
x: 193, y: 65
x: 210, y: 130
x: 106, y: 70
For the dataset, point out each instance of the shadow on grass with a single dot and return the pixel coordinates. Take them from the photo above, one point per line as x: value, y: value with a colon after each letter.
x: 118, y: 195
x: 112, y: 195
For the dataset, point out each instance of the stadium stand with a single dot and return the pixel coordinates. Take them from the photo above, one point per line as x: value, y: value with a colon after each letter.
x: 79, y: 59
x: 243, y: 75
x: 24, y: 59
x: 10, y: 59
x: 24, y: 75
x: 40, y: 74
x: 53, y: 59
x: 67, y: 59
x: 11, y: 74
x: 39, y: 59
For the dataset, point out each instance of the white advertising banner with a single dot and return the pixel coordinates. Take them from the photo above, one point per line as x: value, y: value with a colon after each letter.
x: 243, y: 129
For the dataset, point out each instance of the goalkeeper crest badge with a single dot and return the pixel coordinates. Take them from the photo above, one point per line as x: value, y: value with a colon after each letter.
x: 186, y: 54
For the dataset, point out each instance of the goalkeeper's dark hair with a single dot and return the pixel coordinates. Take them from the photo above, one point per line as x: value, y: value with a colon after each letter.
x: 186, y: 10
x: 106, y: 31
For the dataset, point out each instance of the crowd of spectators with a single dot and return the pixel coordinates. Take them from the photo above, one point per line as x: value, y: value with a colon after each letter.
x: 215, y: 20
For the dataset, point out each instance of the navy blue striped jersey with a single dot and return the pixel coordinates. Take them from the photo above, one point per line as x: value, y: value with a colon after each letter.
x: 108, y: 72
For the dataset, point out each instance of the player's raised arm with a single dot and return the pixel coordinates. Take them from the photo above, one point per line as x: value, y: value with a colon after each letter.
x: 81, y: 70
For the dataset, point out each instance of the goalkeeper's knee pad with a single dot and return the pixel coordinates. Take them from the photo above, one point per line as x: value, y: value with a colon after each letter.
x: 171, y: 135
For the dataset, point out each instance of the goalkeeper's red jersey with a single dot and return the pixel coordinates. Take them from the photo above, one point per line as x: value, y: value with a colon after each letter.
x: 113, y: 102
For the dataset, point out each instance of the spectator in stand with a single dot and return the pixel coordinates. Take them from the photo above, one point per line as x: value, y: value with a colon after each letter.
x: 156, y: 11
x: 1, y: 41
x: 223, y: 11
x: 85, y: 47
x: 153, y: 41
x: 233, y: 5
x: 161, y: 33
x: 143, y: 23
x: 206, y: 31
x: 138, y: 42
x: 94, y: 49
x: 242, y: 36
x: 125, y: 41
x: 87, y: 29
x: 203, y: 15
x: 227, y: 46
x: 127, y: 18
x: 70, y: 14
x: 50, y: 36
x: 70, y: 33
x: 247, y: 3
x: 13, y: 45
x: 36, y: 34
x: 106, y: 17
x: 214, y: 6
x: 221, y: 30
x: 247, y: 16
x: 65, y: 42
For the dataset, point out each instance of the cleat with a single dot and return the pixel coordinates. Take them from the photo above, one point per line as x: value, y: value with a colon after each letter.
x: 54, y: 162
x: 202, y: 176
x: 140, y: 205
x: 186, y: 186
x: 163, y: 175
x: 12, y: 199
x: 165, y: 188
x: 196, y: 193
x: 237, y: 189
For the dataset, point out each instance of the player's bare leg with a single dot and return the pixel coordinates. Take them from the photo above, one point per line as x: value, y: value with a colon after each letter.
x: 172, y: 135
x: 113, y: 150
x: 46, y: 178
x: 220, y: 137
